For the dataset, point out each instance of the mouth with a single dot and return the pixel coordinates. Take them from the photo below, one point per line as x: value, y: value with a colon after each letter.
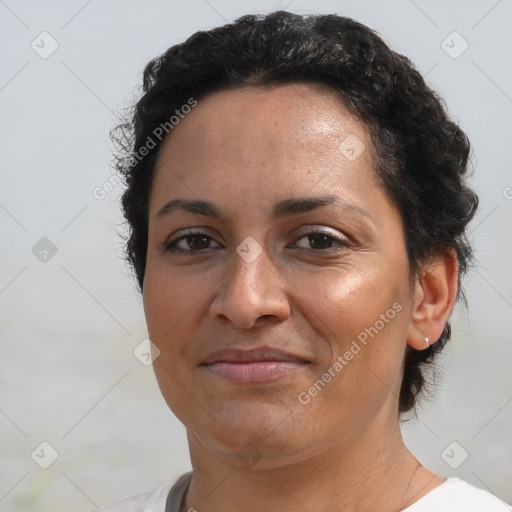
x: 262, y: 364
x: 259, y: 371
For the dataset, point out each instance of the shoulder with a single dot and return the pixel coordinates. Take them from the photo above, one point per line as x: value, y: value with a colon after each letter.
x: 456, y: 495
x: 150, y: 501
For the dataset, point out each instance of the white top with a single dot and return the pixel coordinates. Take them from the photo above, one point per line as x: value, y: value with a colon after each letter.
x: 453, y: 495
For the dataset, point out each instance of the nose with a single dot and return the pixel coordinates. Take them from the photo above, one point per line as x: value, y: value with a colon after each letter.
x: 250, y: 291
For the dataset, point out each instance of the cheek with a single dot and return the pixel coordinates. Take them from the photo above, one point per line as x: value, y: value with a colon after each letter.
x: 343, y: 302
x: 170, y: 301
x: 173, y: 308
x: 361, y: 316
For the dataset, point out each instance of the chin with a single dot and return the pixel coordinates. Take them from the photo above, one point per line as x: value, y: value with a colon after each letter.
x: 268, y: 435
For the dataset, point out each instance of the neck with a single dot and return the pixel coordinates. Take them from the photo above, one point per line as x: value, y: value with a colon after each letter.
x: 372, y: 470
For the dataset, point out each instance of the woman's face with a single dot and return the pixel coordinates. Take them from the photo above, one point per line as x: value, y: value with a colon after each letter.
x: 308, y: 257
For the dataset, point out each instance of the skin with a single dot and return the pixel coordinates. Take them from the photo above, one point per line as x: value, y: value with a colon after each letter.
x: 245, y: 150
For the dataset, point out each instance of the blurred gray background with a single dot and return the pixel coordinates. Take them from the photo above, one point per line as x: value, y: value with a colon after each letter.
x: 70, y: 317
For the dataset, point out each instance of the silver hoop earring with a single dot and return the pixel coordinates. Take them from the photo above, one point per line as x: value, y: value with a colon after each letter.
x: 426, y: 341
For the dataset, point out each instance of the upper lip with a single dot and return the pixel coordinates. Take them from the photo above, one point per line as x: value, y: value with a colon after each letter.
x: 234, y: 355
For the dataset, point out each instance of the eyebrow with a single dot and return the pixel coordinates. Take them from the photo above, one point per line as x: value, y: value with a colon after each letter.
x: 281, y: 209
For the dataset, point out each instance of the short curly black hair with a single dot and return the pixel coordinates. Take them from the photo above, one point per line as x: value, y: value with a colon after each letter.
x: 420, y: 155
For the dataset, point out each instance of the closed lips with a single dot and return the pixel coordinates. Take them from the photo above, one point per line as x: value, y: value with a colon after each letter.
x: 251, y: 356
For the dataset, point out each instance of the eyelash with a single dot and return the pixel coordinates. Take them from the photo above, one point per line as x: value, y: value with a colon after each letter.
x: 170, y: 246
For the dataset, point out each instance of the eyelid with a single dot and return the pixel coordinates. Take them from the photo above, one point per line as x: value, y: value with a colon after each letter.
x: 182, y: 234
x: 199, y: 230
x: 322, y: 229
x: 342, y: 240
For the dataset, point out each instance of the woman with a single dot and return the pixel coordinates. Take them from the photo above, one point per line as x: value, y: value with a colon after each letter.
x: 299, y: 241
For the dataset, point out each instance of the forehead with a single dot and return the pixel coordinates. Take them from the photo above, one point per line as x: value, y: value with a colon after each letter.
x: 282, y: 140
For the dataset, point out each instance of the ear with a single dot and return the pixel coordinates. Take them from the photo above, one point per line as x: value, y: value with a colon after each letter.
x: 435, y: 291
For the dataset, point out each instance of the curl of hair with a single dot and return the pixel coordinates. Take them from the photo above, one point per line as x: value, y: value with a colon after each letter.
x: 420, y: 155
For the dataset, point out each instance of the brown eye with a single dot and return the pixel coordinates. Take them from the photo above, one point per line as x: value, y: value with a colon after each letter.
x: 197, y: 242
x: 321, y: 241
x: 190, y: 243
